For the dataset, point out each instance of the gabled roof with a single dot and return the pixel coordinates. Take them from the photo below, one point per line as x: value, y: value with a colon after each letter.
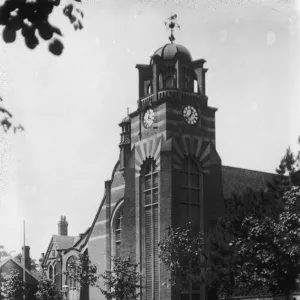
x: 20, y: 266
x: 64, y: 242
x: 236, y: 180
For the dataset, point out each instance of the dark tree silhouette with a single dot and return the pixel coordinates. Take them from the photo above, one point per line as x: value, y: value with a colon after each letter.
x: 31, y: 18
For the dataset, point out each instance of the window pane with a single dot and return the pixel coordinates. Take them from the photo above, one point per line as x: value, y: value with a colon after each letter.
x: 155, y: 180
x: 196, y: 296
x: 184, y: 179
x: 194, y: 196
x: 184, y: 214
x: 183, y: 197
x: 184, y: 296
x: 148, y: 168
x: 147, y: 182
x: 118, y: 248
x: 147, y: 197
x: 194, y: 180
x: 118, y: 226
x: 118, y: 235
x: 193, y: 166
x: 155, y: 196
x: 195, y: 217
x: 154, y: 169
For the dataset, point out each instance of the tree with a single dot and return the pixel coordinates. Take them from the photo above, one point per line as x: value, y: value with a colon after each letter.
x: 31, y: 17
x: 12, y: 287
x: 48, y: 290
x: 3, y: 252
x: 33, y: 264
x: 181, y: 250
x: 82, y: 272
x: 261, y: 255
x: 252, y: 250
x: 122, y: 282
x: 287, y: 174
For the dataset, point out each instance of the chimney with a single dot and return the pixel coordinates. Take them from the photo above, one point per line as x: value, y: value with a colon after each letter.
x: 26, y: 254
x: 63, y: 226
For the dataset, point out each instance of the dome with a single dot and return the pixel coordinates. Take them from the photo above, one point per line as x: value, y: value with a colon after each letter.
x: 168, y: 52
x: 126, y: 120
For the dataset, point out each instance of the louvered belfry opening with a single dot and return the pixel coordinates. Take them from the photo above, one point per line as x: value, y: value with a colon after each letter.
x: 149, y: 185
x: 190, y: 183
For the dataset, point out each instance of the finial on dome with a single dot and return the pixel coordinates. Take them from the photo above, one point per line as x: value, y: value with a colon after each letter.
x: 171, y: 23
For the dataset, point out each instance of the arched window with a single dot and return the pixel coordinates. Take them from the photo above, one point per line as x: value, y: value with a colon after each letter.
x: 195, y: 86
x: 170, y: 82
x: 149, y: 192
x: 70, y: 279
x: 190, y: 193
x: 50, y: 272
x: 160, y: 82
x: 56, y: 274
x: 149, y: 89
x: 118, y: 231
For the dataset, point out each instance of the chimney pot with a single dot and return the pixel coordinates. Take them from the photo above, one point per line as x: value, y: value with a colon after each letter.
x: 63, y: 226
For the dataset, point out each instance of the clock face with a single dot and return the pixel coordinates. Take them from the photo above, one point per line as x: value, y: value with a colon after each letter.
x: 190, y: 114
x: 148, y: 118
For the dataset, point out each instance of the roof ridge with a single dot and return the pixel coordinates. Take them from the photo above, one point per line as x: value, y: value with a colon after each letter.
x: 240, y: 168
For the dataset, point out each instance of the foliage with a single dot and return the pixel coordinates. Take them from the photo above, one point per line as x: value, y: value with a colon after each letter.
x: 280, y: 182
x: 12, y: 286
x: 258, y: 253
x: 122, y: 282
x: 287, y: 174
x: 31, y: 17
x: 6, y: 119
x: 48, y: 290
x: 181, y: 250
x: 33, y: 264
x: 3, y: 252
x: 81, y: 271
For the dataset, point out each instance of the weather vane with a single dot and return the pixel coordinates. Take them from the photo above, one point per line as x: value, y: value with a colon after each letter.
x: 171, y: 23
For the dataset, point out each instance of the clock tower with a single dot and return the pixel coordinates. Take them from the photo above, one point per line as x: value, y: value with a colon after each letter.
x: 172, y: 172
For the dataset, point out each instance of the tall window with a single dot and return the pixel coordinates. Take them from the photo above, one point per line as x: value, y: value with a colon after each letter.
x: 70, y: 280
x: 190, y: 192
x: 160, y: 82
x: 51, y: 272
x: 151, y: 236
x: 190, y: 211
x: 118, y: 230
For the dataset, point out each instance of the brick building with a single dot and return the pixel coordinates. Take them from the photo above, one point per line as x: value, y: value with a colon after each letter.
x: 32, y: 276
x: 169, y: 172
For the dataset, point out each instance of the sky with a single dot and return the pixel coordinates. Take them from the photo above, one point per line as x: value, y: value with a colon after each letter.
x: 71, y: 105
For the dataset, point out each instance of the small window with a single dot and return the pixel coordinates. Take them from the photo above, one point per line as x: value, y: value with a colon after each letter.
x: 186, y: 83
x: 149, y: 89
x: 53, y: 252
x: 160, y: 82
x: 195, y: 86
